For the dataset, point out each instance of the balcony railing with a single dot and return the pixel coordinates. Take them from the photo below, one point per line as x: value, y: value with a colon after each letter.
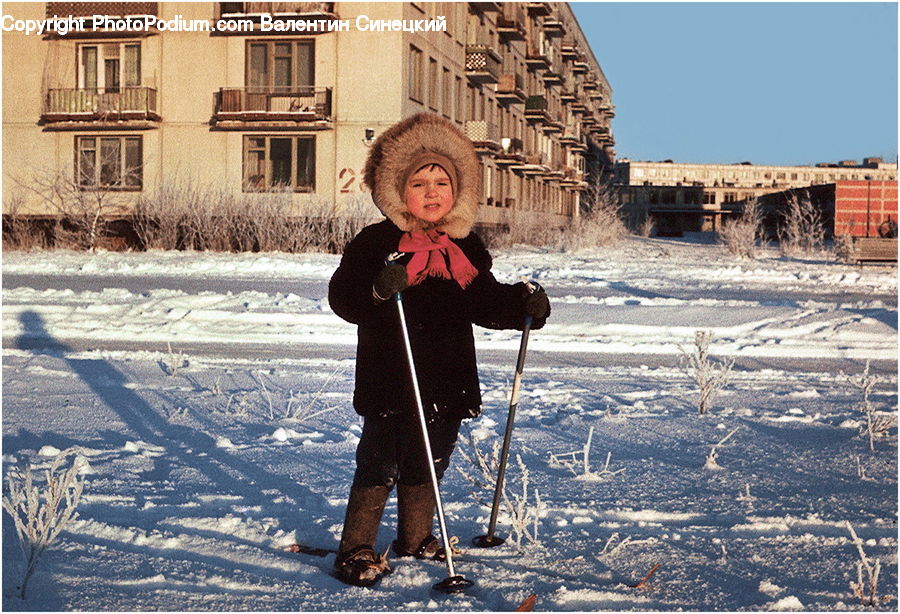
x: 228, y: 9
x: 89, y: 9
x: 482, y: 64
x: 511, y: 22
x: 484, y: 135
x: 96, y: 104
x: 536, y: 109
x: 511, y: 88
x: 305, y: 103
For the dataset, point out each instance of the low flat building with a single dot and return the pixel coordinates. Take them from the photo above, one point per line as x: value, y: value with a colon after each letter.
x: 695, y: 197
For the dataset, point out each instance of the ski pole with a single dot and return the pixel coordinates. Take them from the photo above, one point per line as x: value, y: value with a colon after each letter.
x: 489, y: 540
x: 453, y: 583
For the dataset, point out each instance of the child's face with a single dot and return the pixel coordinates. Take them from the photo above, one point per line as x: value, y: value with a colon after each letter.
x: 429, y: 194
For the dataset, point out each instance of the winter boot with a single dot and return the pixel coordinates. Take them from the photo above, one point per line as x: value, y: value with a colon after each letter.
x: 415, y: 512
x: 357, y: 562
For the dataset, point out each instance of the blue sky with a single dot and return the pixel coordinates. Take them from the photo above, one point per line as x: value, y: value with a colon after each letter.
x: 772, y: 83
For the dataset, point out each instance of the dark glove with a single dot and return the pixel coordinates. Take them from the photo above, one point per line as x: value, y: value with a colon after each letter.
x: 537, y: 305
x: 389, y: 281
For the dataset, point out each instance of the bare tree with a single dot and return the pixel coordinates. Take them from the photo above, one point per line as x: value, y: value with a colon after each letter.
x: 802, y: 229
x: 876, y: 424
x: 709, y: 375
x: 40, y: 514
x: 84, y: 201
x: 742, y: 234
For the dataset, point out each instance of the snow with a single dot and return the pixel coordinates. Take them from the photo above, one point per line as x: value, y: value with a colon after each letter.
x: 210, y: 395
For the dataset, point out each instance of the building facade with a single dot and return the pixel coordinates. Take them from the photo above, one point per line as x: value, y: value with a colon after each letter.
x: 694, y: 197
x: 258, y: 96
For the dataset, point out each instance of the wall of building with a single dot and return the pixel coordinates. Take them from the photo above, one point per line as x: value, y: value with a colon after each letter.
x: 186, y: 142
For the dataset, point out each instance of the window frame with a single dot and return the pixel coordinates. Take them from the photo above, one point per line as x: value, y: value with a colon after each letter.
x: 416, y: 89
x: 99, y: 167
x: 271, y: 55
x: 247, y: 183
x: 124, y: 76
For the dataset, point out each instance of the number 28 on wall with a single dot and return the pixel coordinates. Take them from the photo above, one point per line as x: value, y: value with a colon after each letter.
x: 348, y: 178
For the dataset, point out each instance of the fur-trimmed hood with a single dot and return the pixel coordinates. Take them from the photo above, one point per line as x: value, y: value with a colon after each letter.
x: 394, y: 150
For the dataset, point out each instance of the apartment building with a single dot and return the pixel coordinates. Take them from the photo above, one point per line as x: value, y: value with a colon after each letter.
x: 694, y: 197
x: 258, y: 96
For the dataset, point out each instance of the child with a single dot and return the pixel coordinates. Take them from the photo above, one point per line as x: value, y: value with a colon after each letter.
x: 425, y: 178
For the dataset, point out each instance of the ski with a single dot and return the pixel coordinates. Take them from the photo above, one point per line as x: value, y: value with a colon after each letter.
x: 646, y: 578
x: 311, y: 550
x: 528, y: 604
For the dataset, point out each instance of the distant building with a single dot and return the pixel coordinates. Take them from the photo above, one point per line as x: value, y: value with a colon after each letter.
x: 130, y: 108
x: 854, y: 208
x: 694, y: 197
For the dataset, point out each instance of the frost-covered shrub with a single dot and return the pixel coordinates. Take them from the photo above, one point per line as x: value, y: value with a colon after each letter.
x: 523, y: 514
x: 184, y: 214
x: 741, y: 235
x: 802, y: 229
x: 709, y: 375
x: 599, y: 224
x: 877, y: 425
x: 40, y: 514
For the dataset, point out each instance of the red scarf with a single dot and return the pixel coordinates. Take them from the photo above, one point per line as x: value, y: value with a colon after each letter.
x: 431, y: 252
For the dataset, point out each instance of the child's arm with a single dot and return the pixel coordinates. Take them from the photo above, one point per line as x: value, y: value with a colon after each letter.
x: 350, y: 290
x: 493, y: 304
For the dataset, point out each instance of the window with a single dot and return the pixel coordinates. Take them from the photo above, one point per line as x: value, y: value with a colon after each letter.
x: 107, y: 67
x: 668, y: 197
x: 793, y: 176
x: 709, y: 198
x: 458, y: 101
x: 280, y: 65
x: 730, y: 197
x: 275, y: 162
x: 447, y: 93
x: 114, y: 162
x: 415, y: 74
x: 432, y: 83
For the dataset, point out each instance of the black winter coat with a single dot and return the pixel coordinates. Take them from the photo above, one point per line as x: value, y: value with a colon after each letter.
x: 439, y: 316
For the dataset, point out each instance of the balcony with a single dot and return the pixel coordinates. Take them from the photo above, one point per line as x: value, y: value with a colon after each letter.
x: 486, y: 7
x: 552, y: 126
x: 536, y: 60
x: 570, y: 136
x: 484, y: 135
x: 532, y: 164
x: 94, y: 29
x: 511, y: 89
x: 552, y: 78
x: 309, y: 10
x: 569, y: 50
x: 125, y: 104
x: 511, y: 23
x: 580, y: 67
x: 538, y: 9
x: 308, y: 105
x: 577, y: 107
x: 111, y: 9
x: 567, y: 95
x: 579, y: 145
x: 536, y: 110
x: 553, y: 26
x: 482, y: 64
x: 511, y: 152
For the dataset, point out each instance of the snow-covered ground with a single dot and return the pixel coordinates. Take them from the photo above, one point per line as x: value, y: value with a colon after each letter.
x: 184, y: 377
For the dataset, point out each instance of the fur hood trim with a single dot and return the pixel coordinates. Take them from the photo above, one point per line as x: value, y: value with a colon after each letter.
x: 395, y: 150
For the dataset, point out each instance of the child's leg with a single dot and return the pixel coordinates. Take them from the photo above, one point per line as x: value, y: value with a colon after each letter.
x: 376, y: 473
x: 415, y: 493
